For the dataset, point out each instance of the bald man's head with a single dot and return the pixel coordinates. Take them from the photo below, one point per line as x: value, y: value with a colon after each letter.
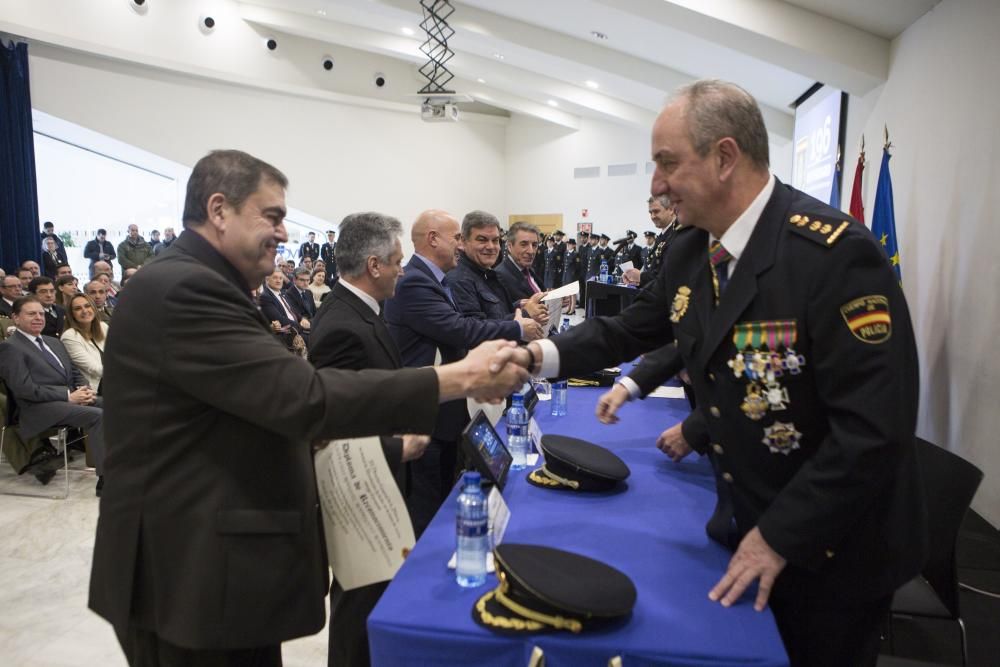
x: 437, y: 236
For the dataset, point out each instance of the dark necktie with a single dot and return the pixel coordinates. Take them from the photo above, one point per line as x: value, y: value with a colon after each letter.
x: 447, y: 290
x: 718, y: 259
x: 50, y: 356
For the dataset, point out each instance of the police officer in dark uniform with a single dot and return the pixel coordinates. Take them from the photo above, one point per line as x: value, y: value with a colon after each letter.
x: 549, y: 275
x: 593, y: 256
x: 661, y: 212
x: 560, y: 257
x: 571, y: 263
x: 583, y: 259
x: 644, y: 251
x: 605, y: 252
x: 797, y: 338
x: 538, y: 264
x: 328, y: 254
x: 309, y: 249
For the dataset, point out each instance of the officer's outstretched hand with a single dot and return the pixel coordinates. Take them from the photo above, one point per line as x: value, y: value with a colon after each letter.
x: 754, y: 559
x: 609, y: 402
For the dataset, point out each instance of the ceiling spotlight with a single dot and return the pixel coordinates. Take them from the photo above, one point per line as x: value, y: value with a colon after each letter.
x: 597, y: 34
x: 553, y: 103
x: 480, y: 80
x: 138, y: 6
x: 407, y: 31
x: 270, y: 43
x: 593, y: 85
x: 327, y: 63
x: 206, y: 24
x: 498, y: 56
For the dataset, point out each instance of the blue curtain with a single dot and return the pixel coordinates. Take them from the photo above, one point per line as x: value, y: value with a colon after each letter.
x: 19, y: 230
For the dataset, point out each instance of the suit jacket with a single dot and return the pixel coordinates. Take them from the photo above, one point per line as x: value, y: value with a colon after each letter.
x: 829, y: 474
x: 36, y: 381
x: 6, y: 308
x: 50, y: 265
x: 478, y: 292
x: 310, y: 250
x: 54, y: 321
x: 209, y: 533
x: 347, y: 334
x: 513, y: 279
x: 422, y: 320
x: 305, y: 306
x: 272, y: 309
x: 94, y: 249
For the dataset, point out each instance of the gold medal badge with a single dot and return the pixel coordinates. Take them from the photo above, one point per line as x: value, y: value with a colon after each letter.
x: 680, y: 303
x: 781, y: 438
x: 755, y: 405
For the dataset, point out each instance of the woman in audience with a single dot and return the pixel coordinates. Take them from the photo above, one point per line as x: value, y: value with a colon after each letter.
x: 66, y: 288
x: 84, y: 339
x: 318, y: 286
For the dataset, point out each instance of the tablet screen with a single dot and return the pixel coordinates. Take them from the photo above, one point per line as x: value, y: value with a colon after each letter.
x: 487, y: 450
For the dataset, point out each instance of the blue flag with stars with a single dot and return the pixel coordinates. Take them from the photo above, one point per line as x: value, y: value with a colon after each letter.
x: 835, y: 189
x: 884, y: 217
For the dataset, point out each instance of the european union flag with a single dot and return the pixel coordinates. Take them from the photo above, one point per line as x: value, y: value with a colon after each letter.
x: 835, y: 189
x: 884, y: 217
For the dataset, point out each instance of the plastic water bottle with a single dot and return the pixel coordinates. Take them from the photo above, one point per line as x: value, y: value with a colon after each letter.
x: 559, y: 390
x: 471, y: 533
x: 565, y: 325
x: 604, y: 270
x: 517, y: 432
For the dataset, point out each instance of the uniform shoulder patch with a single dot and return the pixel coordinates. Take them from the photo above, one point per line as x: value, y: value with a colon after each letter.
x: 868, y: 318
x: 823, y: 230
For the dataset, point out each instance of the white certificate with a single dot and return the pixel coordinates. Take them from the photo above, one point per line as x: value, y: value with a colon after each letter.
x: 368, y: 530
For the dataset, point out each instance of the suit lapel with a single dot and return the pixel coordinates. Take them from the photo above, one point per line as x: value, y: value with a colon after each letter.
x: 758, y: 257
x: 368, y: 315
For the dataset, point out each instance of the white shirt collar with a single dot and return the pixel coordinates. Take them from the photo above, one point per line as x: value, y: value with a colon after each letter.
x: 29, y: 336
x: 361, y: 294
x: 735, y: 239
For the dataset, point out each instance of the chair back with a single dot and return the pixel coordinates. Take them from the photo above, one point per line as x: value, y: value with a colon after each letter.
x: 951, y: 483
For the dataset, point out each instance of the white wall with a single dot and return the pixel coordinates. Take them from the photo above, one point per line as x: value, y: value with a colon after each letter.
x: 942, y: 107
x: 541, y: 158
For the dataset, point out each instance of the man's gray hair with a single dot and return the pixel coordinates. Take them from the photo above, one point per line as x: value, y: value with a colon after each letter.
x: 478, y: 220
x: 718, y: 109
x: 662, y: 200
x: 363, y: 235
x: 521, y: 226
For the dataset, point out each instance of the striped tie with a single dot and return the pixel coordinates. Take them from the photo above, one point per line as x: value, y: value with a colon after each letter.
x: 718, y: 259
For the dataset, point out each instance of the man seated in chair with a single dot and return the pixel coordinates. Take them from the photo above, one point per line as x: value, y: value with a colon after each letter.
x: 48, y: 388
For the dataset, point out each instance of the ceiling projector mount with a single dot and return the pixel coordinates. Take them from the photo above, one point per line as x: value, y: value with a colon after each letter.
x: 438, y: 103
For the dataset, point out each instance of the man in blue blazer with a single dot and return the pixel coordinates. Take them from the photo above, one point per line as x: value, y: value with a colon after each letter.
x: 425, y: 322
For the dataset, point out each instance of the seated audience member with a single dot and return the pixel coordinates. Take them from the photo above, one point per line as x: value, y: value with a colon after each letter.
x: 66, y: 287
x: 32, y: 266
x: 110, y: 289
x: 299, y: 296
x: 55, y: 315
x: 24, y: 275
x: 318, y: 285
x: 10, y: 291
x: 63, y: 270
x: 99, y: 250
x: 51, y: 259
x: 98, y: 294
x: 6, y: 327
x: 306, y: 263
x: 476, y: 286
x: 49, y: 388
x: 289, y: 326
x: 100, y: 267
x: 424, y: 321
x: 84, y: 339
x: 126, y: 276
x: 348, y: 333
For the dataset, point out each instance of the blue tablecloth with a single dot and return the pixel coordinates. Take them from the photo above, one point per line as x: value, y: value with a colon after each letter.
x: 654, y: 532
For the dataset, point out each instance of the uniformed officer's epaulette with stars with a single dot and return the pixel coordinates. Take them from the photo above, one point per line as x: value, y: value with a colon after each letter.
x: 821, y: 229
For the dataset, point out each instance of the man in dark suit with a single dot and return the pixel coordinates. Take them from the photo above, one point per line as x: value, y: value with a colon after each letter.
x: 286, y: 321
x: 55, y: 315
x: 10, y: 291
x: 425, y: 322
x: 298, y: 295
x: 348, y: 333
x: 309, y: 249
x: 583, y: 260
x: 477, y: 288
x: 49, y: 232
x: 52, y: 259
x: 208, y: 549
x: 49, y: 389
x: 804, y: 365
x: 516, y: 271
x: 328, y: 253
